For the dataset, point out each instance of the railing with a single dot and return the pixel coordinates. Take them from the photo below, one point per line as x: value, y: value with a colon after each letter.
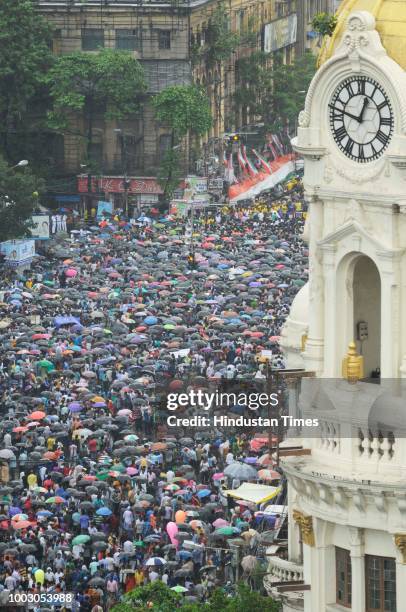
x: 281, y: 570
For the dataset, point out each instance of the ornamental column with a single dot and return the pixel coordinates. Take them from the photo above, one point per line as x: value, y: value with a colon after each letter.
x: 357, y: 568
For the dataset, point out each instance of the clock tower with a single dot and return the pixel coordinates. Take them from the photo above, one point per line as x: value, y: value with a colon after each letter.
x: 352, y: 135
x: 346, y: 476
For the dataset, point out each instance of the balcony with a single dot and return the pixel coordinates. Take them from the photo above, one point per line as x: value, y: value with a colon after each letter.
x: 360, y: 430
x: 285, y: 583
x: 282, y: 570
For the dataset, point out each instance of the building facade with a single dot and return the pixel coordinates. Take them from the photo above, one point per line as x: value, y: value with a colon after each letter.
x: 347, y: 500
x: 172, y: 41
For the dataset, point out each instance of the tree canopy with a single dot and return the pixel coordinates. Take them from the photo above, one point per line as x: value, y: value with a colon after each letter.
x: 157, y: 597
x: 274, y: 93
x: 110, y: 83
x: 18, y: 195
x: 183, y: 108
x: 25, y: 56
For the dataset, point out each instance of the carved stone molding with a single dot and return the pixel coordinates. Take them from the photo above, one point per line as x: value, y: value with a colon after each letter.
x: 306, y: 527
x: 400, y: 543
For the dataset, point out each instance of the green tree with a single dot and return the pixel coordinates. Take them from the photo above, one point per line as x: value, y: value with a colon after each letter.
x: 83, y: 86
x: 159, y: 598
x: 324, y: 24
x: 18, y: 196
x: 220, y: 42
x: 25, y: 56
x: 163, y: 598
x: 275, y: 93
x: 184, y: 109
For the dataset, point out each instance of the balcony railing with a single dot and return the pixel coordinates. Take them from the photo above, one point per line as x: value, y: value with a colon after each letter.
x: 361, y: 428
x: 282, y: 570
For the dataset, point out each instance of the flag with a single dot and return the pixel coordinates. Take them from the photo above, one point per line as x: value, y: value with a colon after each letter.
x: 277, y: 144
x: 263, y: 162
x: 250, y: 167
x: 229, y: 175
x: 271, y: 147
x: 241, y: 161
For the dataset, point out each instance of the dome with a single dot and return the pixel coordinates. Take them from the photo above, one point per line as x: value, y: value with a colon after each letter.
x: 295, y: 329
x: 299, y: 311
x: 390, y: 16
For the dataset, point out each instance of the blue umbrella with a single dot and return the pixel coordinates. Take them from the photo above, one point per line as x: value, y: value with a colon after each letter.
x: 150, y: 320
x: 203, y: 493
x: 185, y: 554
x: 154, y: 561
x: 44, y: 513
x: 104, y: 511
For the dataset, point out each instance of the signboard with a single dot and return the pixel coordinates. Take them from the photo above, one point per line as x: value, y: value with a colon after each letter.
x: 17, y: 252
x: 40, y: 229
x: 215, y: 184
x: 104, y: 208
x: 280, y: 33
x: 178, y: 208
x: 198, y: 184
x: 115, y: 184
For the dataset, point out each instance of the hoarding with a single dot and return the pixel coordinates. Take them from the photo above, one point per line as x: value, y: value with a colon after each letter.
x: 104, y: 208
x: 40, y: 229
x: 280, y: 33
x: 17, y: 252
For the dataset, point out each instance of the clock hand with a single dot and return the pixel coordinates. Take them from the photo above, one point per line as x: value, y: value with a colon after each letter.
x: 361, y: 117
x: 345, y: 113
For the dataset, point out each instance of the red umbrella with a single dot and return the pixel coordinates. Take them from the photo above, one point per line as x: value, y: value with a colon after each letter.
x: 37, y: 415
x: 40, y: 337
x: 21, y: 524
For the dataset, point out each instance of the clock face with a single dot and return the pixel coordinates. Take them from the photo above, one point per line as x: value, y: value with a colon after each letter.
x: 361, y: 118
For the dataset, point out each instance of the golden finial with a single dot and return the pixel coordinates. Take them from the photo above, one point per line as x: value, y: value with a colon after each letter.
x: 353, y: 364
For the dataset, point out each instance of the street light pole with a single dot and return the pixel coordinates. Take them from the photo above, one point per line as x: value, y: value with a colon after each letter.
x: 126, y: 181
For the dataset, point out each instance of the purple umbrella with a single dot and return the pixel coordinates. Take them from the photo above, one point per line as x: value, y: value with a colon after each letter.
x: 75, y: 407
x: 14, y: 510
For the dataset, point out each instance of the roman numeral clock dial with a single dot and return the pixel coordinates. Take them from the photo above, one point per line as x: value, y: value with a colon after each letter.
x: 361, y: 119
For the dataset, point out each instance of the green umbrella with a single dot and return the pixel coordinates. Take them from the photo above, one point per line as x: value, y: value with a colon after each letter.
x: 102, y: 476
x: 226, y: 531
x: 179, y: 589
x: 48, y: 365
x: 81, y: 539
x: 299, y: 282
x: 140, y: 544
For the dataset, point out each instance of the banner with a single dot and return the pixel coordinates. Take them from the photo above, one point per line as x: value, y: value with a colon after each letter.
x: 197, y: 183
x: 104, y: 208
x: 17, y: 252
x: 115, y: 184
x: 280, y: 33
x: 40, y: 229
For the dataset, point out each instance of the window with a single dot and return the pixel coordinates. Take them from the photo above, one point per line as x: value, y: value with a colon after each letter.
x: 92, y: 39
x: 380, y: 576
x: 127, y: 40
x: 164, y: 39
x: 343, y: 577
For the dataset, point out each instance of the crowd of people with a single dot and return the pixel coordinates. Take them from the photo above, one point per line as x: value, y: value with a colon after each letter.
x: 98, y: 495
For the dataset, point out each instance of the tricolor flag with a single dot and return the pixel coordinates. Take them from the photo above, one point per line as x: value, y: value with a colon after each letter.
x: 250, y: 167
x: 229, y: 175
x: 266, y: 167
x: 241, y: 161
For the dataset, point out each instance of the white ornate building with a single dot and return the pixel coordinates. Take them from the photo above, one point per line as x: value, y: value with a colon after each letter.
x: 347, y: 488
